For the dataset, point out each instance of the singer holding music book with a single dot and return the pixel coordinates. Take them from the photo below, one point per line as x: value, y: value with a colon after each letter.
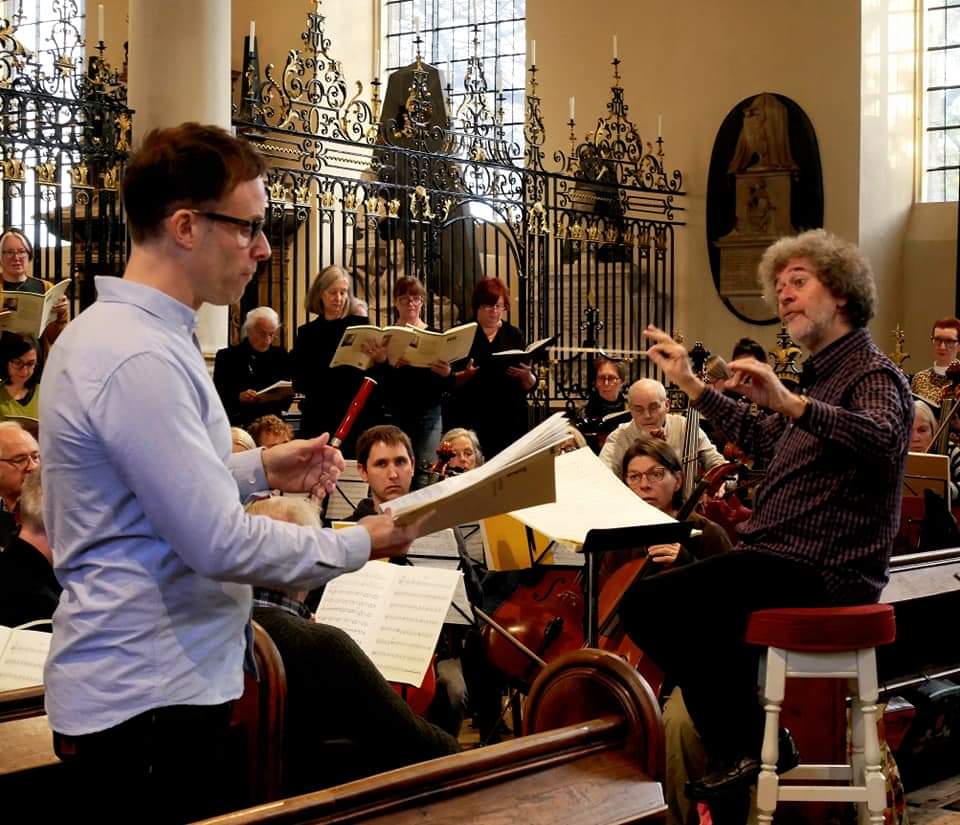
x: 143, y: 498
x: 327, y: 391
x: 491, y: 398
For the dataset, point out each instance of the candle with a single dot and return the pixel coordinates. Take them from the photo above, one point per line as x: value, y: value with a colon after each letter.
x: 498, y: 82
x: 416, y: 23
x: 100, y: 22
x: 573, y: 101
x: 449, y: 73
x: 533, y: 52
x: 253, y: 34
x: 660, y: 125
x: 616, y: 53
x: 376, y: 64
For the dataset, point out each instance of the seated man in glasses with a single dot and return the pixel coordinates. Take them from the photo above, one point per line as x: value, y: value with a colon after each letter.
x: 257, y: 362
x: 649, y: 410
x: 19, y: 456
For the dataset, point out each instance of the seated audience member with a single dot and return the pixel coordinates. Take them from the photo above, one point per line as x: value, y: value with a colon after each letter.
x: 385, y: 462
x: 649, y: 409
x: 464, y: 451
x: 241, y: 440
x: 19, y: 392
x: 28, y: 588
x: 929, y: 383
x: 268, y: 431
x: 254, y: 364
x: 921, y: 440
x: 19, y: 456
x: 334, y: 692
x: 605, y: 398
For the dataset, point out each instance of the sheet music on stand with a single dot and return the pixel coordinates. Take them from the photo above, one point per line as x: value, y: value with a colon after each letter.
x: 22, y: 656
x: 440, y: 550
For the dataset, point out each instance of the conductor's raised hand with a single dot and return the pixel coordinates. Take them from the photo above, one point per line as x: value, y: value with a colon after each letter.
x: 672, y: 358
x: 388, y: 539
x: 758, y: 382
x: 303, y: 466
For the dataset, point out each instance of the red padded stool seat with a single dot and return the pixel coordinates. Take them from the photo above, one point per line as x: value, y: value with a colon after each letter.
x: 823, y: 642
x: 823, y: 629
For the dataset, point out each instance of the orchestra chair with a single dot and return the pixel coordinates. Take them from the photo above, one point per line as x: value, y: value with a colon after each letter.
x: 257, y: 720
x: 824, y: 642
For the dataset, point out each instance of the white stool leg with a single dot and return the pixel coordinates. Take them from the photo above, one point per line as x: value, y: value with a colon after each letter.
x: 874, y: 778
x: 774, y: 666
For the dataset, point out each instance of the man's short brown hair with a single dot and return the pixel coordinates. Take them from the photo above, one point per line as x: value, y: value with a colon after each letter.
x: 183, y: 167
x: 385, y: 434
x: 945, y: 323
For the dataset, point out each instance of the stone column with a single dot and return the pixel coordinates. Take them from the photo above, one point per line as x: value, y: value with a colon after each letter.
x: 179, y: 70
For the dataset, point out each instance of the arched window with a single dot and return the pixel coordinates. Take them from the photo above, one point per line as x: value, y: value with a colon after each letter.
x: 446, y: 27
x: 941, y: 103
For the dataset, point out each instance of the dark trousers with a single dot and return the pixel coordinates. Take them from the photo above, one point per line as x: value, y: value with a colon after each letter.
x: 692, y: 620
x: 162, y: 766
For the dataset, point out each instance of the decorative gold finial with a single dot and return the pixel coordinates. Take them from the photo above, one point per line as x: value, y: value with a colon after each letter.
x: 899, y: 355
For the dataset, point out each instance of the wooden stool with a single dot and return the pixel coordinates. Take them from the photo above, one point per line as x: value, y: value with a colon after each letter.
x: 824, y: 642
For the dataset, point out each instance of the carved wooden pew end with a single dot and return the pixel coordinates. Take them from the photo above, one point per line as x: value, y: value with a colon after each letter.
x: 593, y: 743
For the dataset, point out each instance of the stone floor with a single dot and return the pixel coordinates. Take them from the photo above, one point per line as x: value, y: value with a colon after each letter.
x: 926, y: 806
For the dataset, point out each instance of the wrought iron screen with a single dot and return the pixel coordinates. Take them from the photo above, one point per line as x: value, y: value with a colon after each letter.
x: 64, y: 139
x: 385, y: 188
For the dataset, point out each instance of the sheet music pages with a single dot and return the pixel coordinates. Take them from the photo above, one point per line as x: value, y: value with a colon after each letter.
x: 31, y: 313
x: 428, y: 347
x: 22, y: 655
x: 440, y: 550
x: 588, y: 496
x: 394, y: 613
x: 485, y: 491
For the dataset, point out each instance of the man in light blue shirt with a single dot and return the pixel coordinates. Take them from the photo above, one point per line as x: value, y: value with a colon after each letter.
x: 143, y: 496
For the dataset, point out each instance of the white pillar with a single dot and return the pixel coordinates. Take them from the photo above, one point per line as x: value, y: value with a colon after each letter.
x: 179, y: 70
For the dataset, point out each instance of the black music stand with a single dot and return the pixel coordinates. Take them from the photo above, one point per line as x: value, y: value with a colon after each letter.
x: 598, y: 542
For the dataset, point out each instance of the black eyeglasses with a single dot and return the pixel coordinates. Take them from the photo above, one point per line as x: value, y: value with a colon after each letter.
x: 254, y: 227
x: 23, y: 460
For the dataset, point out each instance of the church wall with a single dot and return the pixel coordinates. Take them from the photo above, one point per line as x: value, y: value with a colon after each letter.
x: 692, y: 62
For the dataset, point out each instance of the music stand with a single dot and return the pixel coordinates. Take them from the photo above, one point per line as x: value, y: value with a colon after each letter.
x: 927, y: 471
x: 602, y: 541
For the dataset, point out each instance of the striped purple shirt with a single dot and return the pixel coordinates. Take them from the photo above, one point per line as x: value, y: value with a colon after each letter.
x: 831, y: 496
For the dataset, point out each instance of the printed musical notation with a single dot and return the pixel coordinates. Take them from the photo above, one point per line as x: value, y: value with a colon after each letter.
x: 22, y: 655
x: 395, y: 614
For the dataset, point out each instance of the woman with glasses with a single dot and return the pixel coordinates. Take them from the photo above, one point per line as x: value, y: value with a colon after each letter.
x: 606, y: 398
x: 490, y: 398
x: 327, y: 392
x: 651, y: 468
x: 413, y: 395
x: 19, y: 392
x: 16, y: 258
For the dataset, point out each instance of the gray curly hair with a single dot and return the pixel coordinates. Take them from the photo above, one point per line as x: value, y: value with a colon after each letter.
x: 839, y: 265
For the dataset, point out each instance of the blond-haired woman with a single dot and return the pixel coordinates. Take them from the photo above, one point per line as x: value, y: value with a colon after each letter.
x: 327, y: 392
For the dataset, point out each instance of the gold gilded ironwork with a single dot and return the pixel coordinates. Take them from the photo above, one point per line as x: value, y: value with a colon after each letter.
x: 124, y: 124
x: 537, y: 220
x: 46, y: 173
x: 420, y: 204
x: 111, y: 178
x: 79, y: 175
x: 899, y: 355
x: 13, y: 169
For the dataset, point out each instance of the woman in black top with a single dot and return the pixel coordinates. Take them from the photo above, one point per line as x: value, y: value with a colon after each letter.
x: 328, y: 391
x: 412, y: 395
x: 491, y: 398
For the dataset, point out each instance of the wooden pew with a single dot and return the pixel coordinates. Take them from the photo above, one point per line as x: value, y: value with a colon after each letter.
x: 592, y: 753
